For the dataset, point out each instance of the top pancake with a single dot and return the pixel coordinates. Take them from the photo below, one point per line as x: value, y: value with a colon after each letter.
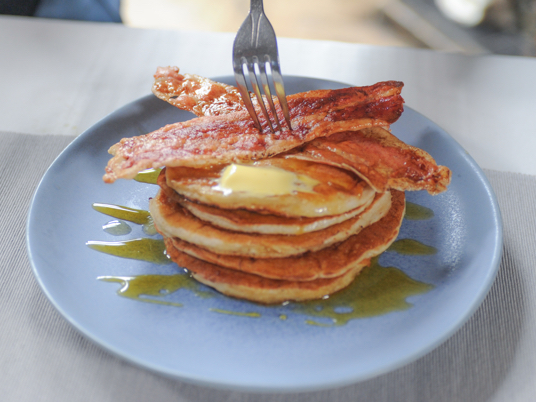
x: 336, y: 191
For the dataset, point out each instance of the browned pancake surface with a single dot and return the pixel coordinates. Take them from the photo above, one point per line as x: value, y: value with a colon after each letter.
x: 330, y: 262
x: 379, y: 158
x: 255, y: 222
x: 256, y: 288
x: 336, y: 190
x: 174, y: 221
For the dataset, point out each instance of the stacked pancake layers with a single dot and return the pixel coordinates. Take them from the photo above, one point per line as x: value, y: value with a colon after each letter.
x: 331, y: 193
x: 274, y: 248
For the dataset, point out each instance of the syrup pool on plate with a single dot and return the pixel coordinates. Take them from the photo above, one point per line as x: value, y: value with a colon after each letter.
x: 377, y: 290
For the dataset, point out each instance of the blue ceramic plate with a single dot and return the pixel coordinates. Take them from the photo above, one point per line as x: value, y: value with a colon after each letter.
x: 222, y: 342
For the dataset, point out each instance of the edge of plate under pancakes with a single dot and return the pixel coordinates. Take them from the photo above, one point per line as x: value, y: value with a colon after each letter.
x: 273, y: 268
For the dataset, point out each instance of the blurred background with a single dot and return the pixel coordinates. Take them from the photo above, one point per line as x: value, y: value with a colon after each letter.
x: 469, y: 26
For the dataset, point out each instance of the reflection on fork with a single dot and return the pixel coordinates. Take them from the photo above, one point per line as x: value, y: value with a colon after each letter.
x: 255, y: 55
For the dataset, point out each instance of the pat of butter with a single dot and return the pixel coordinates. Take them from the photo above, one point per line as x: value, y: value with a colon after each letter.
x: 263, y: 180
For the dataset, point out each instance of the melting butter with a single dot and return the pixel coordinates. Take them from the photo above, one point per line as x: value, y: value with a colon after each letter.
x: 263, y: 181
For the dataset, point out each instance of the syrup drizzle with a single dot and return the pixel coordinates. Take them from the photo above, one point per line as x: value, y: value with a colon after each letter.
x: 148, y: 176
x: 417, y: 212
x: 377, y: 290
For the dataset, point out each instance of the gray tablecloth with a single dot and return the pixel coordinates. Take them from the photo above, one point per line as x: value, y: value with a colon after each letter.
x: 42, y: 358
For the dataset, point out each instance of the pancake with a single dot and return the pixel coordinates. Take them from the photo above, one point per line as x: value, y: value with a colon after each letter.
x: 174, y: 221
x: 256, y: 288
x: 356, y: 255
x: 329, y: 262
x: 242, y: 220
x: 333, y: 191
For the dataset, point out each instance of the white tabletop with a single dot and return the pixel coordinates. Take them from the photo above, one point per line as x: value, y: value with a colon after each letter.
x: 60, y: 77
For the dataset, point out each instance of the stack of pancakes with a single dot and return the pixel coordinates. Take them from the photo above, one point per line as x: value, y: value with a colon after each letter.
x: 345, y: 202
x: 272, y: 248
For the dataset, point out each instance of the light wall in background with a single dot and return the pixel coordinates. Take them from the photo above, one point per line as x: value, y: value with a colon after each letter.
x: 358, y: 21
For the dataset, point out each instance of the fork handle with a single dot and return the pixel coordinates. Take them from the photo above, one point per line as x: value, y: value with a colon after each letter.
x: 256, y: 6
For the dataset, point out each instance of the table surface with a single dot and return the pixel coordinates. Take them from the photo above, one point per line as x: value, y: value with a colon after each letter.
x: 61, y: 77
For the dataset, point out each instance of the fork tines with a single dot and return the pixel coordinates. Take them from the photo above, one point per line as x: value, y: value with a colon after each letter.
x: 256, y: 69
x: 255, y: 54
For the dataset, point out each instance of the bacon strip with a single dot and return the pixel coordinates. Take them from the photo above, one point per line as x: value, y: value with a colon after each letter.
x: 379, y: 158
x: 232, y: 137
x: 196, y: 94
x: 205, y: 97
x: 338, y: 127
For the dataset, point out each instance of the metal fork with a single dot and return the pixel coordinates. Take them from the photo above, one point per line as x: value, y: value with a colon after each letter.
x: 255, y: 52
